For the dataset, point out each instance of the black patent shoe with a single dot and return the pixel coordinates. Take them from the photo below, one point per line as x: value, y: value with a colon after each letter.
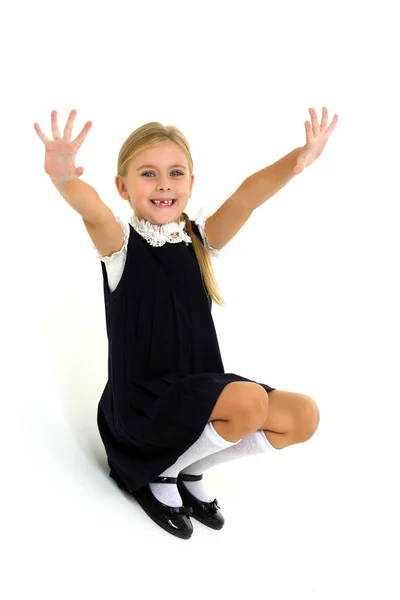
x: 207, y: 513
x: 175, y: 520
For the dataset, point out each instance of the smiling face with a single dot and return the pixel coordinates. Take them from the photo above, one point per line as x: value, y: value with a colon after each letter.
x: 156, y: 174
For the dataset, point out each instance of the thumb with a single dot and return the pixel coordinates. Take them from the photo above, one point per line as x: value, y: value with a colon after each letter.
x: 298, y: 169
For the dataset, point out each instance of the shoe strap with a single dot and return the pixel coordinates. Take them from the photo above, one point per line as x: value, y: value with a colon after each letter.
x: 190, y: 477
x: 180, y: 510
x: 165, y: 480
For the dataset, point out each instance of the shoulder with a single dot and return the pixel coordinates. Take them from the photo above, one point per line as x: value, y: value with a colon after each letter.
x: 199, y: 227
x: 120, y: 255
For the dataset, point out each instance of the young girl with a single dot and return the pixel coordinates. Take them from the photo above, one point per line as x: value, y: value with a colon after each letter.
x: 169, y: 412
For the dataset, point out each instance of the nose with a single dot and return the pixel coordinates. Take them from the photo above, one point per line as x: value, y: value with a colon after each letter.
x: 163, y: 185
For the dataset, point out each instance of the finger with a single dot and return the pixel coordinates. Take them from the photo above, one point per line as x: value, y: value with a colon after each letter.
x: 82, y: 136
x: 40, y: 133
x: 309, y: 133
x: 54, y: 125
x: 324, y: 118
x: 332, y: 125
x: 314, y: 121
x: 69, y: 125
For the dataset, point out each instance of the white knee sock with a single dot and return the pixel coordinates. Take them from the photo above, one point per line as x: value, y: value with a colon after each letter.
x: 208, y: 443
x: 253, y: 443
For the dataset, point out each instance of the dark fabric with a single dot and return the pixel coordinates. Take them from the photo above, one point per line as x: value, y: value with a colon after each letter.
x: 165, y: 371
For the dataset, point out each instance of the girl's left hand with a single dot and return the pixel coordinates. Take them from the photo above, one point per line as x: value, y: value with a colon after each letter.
x: 316, y: 137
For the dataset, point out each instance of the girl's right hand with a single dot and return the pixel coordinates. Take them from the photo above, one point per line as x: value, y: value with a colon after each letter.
x: 60, y: 153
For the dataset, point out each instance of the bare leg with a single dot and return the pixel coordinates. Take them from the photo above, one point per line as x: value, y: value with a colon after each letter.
x: 292, y: 418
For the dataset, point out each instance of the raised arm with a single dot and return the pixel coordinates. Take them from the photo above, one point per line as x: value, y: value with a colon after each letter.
x: 60, y: 157
x: 256, y: 189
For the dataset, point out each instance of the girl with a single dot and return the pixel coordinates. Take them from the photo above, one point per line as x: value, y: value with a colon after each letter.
x: 168, y: 411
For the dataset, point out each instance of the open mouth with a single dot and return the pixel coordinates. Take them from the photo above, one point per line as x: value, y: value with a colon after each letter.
x: 163, y: 203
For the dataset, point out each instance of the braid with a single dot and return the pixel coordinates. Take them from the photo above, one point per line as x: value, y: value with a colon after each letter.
x: 188, y: 224
x: 203, y: 258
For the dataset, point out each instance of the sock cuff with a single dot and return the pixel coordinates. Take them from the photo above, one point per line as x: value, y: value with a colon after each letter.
x: 214, y: 436
x: 266, y: 441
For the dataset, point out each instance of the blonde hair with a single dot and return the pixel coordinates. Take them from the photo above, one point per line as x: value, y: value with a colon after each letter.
x: 145, y: 137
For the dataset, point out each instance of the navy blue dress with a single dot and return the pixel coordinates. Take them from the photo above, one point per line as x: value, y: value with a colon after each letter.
x: 165, y: 371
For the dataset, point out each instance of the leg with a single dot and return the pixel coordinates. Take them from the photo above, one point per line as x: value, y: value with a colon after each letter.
x: 292, y: 418
x: 240, y: 409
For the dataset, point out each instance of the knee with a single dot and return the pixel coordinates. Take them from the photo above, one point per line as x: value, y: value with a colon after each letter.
x: 254, y: 407
x: 308, y: 419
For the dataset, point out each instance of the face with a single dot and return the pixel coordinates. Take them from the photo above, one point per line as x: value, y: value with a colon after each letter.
x: 160, y: 172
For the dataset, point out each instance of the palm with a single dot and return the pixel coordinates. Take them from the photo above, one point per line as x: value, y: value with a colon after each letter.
x: 317, y: 136
x: 60, y: 158
x: 60, y: 153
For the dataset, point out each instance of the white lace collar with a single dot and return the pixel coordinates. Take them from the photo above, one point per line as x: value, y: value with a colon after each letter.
x: 158, y: 235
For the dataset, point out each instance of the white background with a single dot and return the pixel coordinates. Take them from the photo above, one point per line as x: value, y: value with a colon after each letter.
x: 310, y: 282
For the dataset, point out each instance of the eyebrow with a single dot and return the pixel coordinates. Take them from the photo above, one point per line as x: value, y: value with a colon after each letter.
x: 153, y: 167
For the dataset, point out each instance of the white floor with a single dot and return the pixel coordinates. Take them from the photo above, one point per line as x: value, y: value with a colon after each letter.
x: 313, y: 521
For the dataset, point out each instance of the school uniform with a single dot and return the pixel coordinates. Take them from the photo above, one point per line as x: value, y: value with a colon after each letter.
x: 165, y: 371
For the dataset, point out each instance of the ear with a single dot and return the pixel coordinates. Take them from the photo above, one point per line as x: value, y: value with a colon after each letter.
x: 120, y: 185
x: 191, y: 181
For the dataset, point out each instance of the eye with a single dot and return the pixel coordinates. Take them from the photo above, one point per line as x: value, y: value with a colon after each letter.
x: 151, y: 173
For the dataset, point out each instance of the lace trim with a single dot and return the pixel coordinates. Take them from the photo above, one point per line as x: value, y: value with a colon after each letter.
x: 158, y: 235
x: 200, y: 221
x: 118, y: 257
